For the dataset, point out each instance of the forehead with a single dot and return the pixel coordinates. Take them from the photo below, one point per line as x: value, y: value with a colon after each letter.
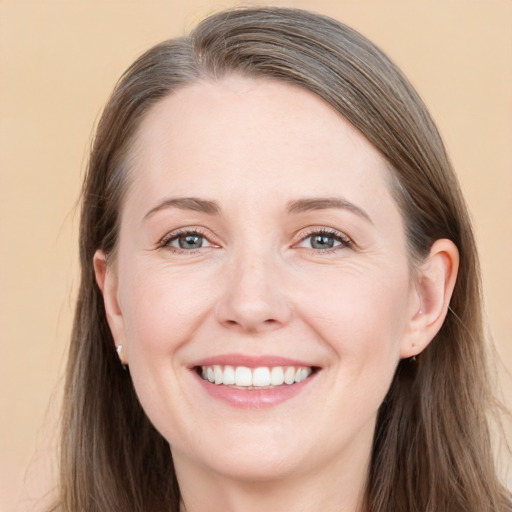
x: 253, y: 137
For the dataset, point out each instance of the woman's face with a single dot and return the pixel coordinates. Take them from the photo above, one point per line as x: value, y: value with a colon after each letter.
x: 259, y: 243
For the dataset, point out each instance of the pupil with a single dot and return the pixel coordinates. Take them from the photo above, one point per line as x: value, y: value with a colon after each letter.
x: 190, y: 241
x: 322, y: 242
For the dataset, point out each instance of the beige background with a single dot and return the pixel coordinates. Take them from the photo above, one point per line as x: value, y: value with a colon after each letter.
x: 58, y: 63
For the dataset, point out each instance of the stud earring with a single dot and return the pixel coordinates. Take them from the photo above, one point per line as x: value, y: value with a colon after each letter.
x: 119, y: 348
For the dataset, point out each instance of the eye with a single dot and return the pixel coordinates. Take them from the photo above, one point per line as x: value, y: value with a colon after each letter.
x: 324, y: 240
x: 186, y: 240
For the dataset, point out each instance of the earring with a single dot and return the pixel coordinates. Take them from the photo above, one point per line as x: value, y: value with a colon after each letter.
x: 118, y: 350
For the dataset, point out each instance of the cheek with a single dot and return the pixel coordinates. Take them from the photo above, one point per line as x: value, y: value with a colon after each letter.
x: 361, y: 316
x: 366, y: 333
x: 161, y: 311
x: 162, y: 307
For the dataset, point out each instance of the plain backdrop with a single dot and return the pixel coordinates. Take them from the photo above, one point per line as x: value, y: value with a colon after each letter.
x: 58, y: 63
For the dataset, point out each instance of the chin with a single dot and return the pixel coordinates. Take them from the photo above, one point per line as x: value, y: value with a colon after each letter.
x: 257, y: 467
x: 246, y: 455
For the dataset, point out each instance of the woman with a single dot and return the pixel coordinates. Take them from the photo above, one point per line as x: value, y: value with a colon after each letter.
x: 280, y: 299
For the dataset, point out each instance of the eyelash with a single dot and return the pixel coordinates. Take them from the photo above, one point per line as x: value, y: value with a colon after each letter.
x: 344, y: 241
x: 171, y: 237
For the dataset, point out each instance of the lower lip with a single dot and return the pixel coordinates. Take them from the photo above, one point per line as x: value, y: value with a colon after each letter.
x: 254, y: 398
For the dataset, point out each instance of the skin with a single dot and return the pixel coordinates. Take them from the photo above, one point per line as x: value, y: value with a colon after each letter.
x: 260, y: 286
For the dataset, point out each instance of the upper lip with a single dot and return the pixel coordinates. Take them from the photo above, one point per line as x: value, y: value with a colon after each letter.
x: 250, y: 361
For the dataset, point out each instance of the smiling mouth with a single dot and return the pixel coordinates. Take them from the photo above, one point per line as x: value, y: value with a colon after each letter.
x: 264, y: 377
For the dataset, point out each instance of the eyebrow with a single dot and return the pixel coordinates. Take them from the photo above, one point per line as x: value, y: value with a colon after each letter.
x: 186, y: 203
x: 324, y: 203
x: 296, y: 206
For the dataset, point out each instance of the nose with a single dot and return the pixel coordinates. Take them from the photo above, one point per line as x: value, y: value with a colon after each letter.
x: 253, y: 299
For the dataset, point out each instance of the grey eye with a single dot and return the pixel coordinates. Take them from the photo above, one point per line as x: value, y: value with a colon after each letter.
x: 189, y: 241
x: 320, y: 241
x: 324, y: 240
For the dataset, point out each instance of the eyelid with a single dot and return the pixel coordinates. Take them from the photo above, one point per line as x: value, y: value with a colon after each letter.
x: 164, y: 242
x: 301, y: 236
x: 304, y: 234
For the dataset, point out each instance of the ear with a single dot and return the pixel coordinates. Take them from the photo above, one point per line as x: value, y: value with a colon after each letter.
x: 434, y: 284
x: 106, y: 278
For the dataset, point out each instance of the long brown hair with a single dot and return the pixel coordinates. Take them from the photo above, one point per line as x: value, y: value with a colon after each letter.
x: 432, y: 450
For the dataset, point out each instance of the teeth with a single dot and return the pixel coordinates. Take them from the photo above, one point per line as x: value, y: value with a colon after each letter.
x: 277, y: 376
x: 229, y: 376
x: 217, y: 373
x: 262, y: 377
x: 243, y: 376
x: 289, y: 375
x: 302, y: 374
